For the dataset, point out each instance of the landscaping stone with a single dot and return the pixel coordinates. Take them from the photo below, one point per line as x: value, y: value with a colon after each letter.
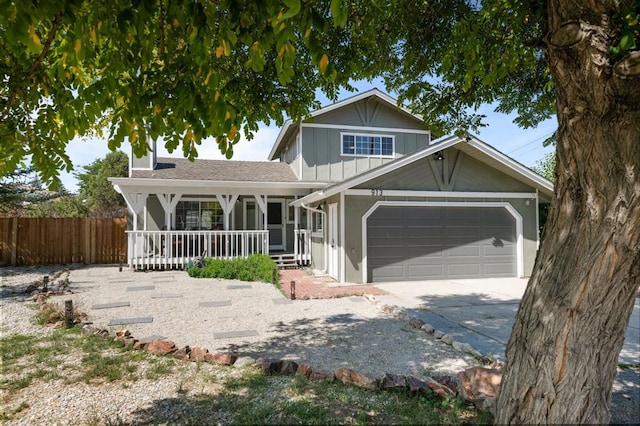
x: 393, y: 381
x: 352, y: 377
x: 438, y: 334
x: 288, y: 367
x: 244, y: 361
x: 138, y: 345
x: 161, y: 347
x: 480, y: 385
x: 318, y: 376
x: 182, y: 354
x: 121, y: 334
x: 447, y: 338
x: 304, y: 370
x: 198, y: 354
x: 220, y: 358
x: 269, y: 366
x: 417, y: 386
x: 441, y: 390
x: 416, y: 323
x: 449, y: 381
x: 427, y: 328
x: 129, y: 342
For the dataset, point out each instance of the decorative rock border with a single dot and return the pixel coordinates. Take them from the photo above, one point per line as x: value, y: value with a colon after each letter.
x: 427, y: 328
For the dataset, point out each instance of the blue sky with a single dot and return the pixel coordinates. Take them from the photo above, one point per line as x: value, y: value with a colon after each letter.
x: 522, y: 145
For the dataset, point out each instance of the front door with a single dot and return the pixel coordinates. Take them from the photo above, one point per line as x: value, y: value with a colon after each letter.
x: 275, y: 225
x: 332, y: 240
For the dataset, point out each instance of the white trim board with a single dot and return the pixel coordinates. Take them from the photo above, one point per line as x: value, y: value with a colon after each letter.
x: 510, y: 209
x: 366, y: 128
x: 445, y: 194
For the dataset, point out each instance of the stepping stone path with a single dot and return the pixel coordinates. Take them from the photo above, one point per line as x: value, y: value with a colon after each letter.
x: 142, y: 288
x: 111, y: 305
x: 215, y: 304
x: 122, y: 321
x: 235, y: 334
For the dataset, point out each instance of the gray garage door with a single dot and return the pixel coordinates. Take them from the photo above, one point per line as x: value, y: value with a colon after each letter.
x: 416, y: 243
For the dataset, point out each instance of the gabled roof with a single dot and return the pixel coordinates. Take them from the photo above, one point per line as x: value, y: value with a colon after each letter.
x: 289, y: 126
x: 218, y: 170
x: 470, y: 145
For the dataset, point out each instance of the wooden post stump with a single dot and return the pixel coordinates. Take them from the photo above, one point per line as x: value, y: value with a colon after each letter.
x: 293, y: 290
x: 68, y: 313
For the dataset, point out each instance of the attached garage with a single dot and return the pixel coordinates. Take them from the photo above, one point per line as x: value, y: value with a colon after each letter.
x: 422, y: 242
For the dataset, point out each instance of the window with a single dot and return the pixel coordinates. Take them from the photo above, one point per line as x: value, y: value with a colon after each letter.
x: 367, y: 145
x: 318, y: 222
x: 193, y: 215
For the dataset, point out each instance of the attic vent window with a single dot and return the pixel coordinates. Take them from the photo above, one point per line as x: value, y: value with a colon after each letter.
x: 366, y: 145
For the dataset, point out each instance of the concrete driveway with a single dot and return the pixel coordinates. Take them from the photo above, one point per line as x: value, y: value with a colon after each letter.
x: 480, y: 311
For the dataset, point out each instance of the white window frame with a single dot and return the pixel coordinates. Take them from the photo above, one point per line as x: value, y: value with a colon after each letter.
x: 368, y: 135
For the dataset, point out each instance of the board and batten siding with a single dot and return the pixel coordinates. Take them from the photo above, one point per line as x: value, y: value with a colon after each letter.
x: 322, y: 153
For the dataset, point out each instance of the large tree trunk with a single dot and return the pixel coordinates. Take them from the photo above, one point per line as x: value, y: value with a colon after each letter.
x: 569, y: 330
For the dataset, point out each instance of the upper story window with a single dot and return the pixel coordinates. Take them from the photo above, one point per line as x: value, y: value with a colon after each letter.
x: 363, y: 145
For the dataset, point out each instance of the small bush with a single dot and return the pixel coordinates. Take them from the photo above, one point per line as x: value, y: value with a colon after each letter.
x: 257, y: 267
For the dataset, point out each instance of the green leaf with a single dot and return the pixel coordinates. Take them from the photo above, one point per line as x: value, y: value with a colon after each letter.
x: 294, y: 8
x: 340, y: 12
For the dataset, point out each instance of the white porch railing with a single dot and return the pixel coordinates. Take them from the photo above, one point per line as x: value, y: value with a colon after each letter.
x: 302, y: 246
x: 166, y: 249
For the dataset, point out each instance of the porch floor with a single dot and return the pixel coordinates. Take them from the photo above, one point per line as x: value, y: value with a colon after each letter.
x: 321, y: 286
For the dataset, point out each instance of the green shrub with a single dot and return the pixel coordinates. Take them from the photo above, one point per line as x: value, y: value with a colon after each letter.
x: 257, y: 267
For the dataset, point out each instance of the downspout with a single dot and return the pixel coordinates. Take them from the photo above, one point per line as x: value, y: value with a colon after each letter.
x: 324, y: 237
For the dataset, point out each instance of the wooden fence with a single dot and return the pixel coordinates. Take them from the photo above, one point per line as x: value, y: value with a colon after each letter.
x: 42, y: 241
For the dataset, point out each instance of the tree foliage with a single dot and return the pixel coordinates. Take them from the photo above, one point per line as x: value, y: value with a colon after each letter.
x: 180, y: 71
x: 95, y: 192
x: 20, y: 190
x: 547, y: 166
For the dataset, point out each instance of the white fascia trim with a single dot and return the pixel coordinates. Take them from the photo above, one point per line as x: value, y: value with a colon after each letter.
x: 447, y: 194
x: 175, y: 183
x: 514, y: 165
x: 278, y: 141
x: 510, y: 209
x: 366, y: 129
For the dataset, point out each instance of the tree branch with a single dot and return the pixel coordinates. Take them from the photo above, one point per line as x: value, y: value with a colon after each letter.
x: 45, y: 50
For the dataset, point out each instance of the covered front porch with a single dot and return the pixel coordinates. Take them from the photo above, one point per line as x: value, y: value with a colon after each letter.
x: 174, y: 223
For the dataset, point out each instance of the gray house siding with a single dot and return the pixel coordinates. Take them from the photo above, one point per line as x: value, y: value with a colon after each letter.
x: 369, y: 113
x: 323, y: 160
x: 471, y: 175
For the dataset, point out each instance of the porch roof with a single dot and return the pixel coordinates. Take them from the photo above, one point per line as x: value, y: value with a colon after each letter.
x: 218, y: 170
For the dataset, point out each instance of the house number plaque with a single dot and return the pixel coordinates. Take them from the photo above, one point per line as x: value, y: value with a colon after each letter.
x: 376, y: 192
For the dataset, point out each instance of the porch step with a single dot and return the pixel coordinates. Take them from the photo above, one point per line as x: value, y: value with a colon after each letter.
x: 285, y: 260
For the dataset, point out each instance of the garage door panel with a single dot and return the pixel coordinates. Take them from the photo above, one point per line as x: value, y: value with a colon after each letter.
x: 432, y: 271
x: 423, y: 242
x: 463, y: 270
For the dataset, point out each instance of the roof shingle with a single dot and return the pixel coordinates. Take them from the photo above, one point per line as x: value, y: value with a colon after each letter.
x: 218, y: 170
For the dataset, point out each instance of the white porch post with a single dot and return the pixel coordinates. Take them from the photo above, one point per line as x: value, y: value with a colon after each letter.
x: 296, y: 231
x: 169, y: 204
x: 136, y: 202
x: 227, y: 202
x: 262, y: 203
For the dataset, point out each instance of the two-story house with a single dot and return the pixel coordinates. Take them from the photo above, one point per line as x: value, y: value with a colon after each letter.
x: 359, y: 191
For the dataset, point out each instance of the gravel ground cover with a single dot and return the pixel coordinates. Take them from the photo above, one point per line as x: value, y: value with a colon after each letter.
x: 252, y: 319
